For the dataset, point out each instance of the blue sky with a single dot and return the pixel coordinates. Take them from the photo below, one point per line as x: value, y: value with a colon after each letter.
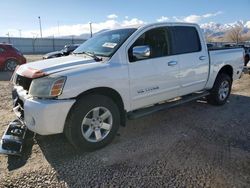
x: 73, y: 16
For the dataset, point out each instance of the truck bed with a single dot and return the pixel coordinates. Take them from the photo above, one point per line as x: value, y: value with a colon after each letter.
x: 220, y: 57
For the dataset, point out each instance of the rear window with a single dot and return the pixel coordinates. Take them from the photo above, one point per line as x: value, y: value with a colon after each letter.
x: 186, y: 40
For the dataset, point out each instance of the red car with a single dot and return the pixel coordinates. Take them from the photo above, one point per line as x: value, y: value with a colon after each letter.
x: 10, y: 57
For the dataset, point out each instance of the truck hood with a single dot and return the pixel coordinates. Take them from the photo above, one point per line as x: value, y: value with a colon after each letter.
x: 50, y: 66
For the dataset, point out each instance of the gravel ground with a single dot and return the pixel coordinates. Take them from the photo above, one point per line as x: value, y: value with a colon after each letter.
x: 31, y: 58
x: 193, y: 145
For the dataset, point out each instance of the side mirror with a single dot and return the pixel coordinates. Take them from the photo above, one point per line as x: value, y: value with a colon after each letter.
x: 141, y: 52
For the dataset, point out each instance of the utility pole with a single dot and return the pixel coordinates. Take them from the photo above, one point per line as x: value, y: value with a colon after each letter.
x: 58, y: 28
x: 53, y: 42
x: 40, y: 24
x: 90, y: 26
x: 20, y: 33
x: 35, y: 35
x: 8, y: 34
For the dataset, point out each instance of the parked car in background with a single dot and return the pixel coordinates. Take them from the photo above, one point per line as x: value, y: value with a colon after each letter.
x: 64, y: 52
x: 230, y: 45
x: 10, y: 57
x: 210, y: 45
x: 246, y: 60
x: 247, y: 55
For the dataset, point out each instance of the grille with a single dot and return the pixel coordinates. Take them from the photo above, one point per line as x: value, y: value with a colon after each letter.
x: 24, y: 82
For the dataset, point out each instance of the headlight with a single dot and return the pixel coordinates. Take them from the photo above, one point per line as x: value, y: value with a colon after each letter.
x: 47, y: 87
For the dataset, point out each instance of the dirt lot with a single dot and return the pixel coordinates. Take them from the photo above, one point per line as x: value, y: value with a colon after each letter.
x: 194, y: 145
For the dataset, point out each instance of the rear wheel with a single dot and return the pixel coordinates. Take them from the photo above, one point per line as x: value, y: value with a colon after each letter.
x: 221, y: 90
x: 11, y: 64
x: 92, y: 122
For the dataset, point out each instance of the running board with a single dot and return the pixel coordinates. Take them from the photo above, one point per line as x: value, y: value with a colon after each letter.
x: 158, y: 107
x: 13, y: 138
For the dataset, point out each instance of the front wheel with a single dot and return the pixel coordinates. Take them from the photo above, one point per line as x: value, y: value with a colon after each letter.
x: 221, y: 90
x: 10, y: 65
x: 92, y: 122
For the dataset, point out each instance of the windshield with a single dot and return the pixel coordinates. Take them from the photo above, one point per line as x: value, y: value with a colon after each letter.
x: 106, y: 43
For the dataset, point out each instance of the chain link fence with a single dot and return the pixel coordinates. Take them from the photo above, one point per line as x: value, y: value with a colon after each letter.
x: 39, y: 45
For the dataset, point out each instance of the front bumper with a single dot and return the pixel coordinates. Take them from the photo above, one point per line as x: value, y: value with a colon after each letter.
x: 13, y: 138
x: 42, y: 116
x: 46, y: 117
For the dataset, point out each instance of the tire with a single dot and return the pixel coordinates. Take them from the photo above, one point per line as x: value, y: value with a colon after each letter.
x: 221, y: 90
x: 246, y: 60
x: 10, y: 64
x: 87, y: 128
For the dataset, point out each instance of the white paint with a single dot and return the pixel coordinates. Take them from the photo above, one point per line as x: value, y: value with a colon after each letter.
x: 154, y: 75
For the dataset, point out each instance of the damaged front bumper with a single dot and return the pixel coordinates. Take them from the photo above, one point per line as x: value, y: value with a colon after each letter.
x: 46, y: 117
x: 13, y: 138
x: 42, y: 116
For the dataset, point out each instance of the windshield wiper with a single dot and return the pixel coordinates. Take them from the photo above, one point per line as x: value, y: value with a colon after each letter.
x: 91, y: 54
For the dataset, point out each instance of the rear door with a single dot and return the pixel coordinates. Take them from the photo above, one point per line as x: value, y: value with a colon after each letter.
x: 192, y: 58
x: 153, y: 79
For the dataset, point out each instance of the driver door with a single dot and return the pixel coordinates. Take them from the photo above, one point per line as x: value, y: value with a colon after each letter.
x: 153, y: 79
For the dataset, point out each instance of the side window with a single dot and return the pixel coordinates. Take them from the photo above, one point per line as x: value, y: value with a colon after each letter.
x: 186, y: 40
x: 158, y: 41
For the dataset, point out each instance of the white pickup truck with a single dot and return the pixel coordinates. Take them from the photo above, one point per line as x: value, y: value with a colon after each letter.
x: 120, y: 74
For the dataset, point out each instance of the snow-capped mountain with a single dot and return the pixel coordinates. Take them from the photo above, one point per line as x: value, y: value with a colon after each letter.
x: 216, y: 29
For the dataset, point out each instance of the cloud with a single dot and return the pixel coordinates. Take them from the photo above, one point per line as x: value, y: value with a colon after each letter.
x: 131, y: 22
x: 197, y: 18
x: 212, y: 15
x: 191, y: 18
x: 177, y: 19
x: 163, y: 19
x: 110, y: 23
x: 78, y: 29
x: 112, y: 16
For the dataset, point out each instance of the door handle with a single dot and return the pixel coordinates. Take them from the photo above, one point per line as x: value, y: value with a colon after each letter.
x: 172, y: 63
x: 202, y: 58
